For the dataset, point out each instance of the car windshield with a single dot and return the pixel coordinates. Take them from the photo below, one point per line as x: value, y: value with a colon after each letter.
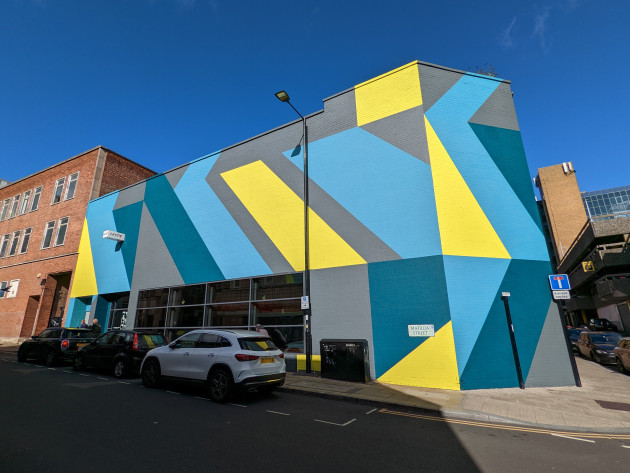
x: 256, y: 344
x: 605, y: 338
x: 151, y: 340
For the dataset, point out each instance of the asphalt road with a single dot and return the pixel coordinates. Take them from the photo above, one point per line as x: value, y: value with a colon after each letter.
x: 55, y: 420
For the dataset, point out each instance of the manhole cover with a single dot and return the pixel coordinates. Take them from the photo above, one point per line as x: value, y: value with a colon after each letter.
x: 616, y: 406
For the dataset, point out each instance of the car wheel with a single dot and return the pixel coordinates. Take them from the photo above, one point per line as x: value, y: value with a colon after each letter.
x: 50, y: 358
x: 21, y: 356
x: 78, y: 364
x: 120, y: 369
x: 620, y: 367
x: 151, y: 374
x: 221, y: 385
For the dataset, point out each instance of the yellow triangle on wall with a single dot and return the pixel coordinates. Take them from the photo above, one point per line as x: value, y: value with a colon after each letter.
x: 84, y: 282
x: 464, y: 228
x: 431, y: 365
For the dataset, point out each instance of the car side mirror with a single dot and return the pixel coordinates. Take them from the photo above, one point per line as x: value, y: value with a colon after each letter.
x: 172, y: 345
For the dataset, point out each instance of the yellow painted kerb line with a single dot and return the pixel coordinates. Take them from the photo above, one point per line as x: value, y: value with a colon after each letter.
x: 490, y: 425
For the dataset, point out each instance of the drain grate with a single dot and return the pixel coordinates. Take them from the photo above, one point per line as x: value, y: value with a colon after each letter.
x: 616, y: 406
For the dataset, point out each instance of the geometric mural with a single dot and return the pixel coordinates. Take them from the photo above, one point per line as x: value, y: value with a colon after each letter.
x: 420, y: 206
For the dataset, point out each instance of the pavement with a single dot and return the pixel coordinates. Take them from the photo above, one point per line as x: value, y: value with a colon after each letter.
x: 601, y: 405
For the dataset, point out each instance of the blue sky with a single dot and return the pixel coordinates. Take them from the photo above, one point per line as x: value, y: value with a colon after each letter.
x: 164, y: 82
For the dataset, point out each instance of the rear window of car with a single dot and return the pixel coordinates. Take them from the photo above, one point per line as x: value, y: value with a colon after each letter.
x: 78, y: 334
x: 605, y: 338
x: 151, y: 340
x: 256, y: 344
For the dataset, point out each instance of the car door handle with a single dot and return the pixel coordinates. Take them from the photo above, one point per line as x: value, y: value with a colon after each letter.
x: 187, y: 354
x: 210, y: 355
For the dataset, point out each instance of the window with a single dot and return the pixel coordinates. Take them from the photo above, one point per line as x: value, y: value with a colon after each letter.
x: 25, y: 239
x: 3, y: 289
x: 14, y: 206
x: 58, y: 192
x: 36, y: 196
x: 72, y: 186
x: 4, y: 245
x: 5, y: 209
x: 15, y: 242
x: 61, y: 231
x: 24, y: 206
x: 48, y: 234
x: 12, y: 289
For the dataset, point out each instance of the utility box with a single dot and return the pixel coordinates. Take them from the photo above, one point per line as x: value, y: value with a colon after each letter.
x: 345, y: 360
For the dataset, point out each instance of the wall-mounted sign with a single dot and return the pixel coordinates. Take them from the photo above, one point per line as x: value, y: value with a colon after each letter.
x: 561, y: 295
x: 112, y: 235
x: 304, y: 303
x: 427, y: 330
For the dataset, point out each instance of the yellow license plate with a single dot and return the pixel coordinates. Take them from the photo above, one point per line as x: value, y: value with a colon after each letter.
x: 79, y: 345
x: 266, y: 359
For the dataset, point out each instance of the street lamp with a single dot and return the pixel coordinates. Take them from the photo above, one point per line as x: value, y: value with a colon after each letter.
x: 306, y: 300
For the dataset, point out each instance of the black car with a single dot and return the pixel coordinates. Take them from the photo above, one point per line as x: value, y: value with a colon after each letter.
x: 55, y: 344
x: 598, y: 346
x: 601, y: 325
x: 118, y: 351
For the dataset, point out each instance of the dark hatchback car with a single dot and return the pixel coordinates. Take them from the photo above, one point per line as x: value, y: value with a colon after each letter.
x: 55, y: 344
x: 118, y: 351
x: 599, y: 346
x: 601, y: 325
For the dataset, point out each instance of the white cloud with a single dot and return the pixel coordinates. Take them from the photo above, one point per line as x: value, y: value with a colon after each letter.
x: 505, y: 39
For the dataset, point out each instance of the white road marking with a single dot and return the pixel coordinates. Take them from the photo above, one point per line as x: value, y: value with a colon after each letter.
x: 332, y: 423
x: 81, y: 374
x: 104, y: 379
x: 203, y: 398
x: 279, y: 413
x: 125, y: 382
x: 626, y: 446
x: 66, y: 371
x: 573, y: 438
x: 170, y: 392
x: 373, y: 410
x: 237, y: 405
x: 54, y: 369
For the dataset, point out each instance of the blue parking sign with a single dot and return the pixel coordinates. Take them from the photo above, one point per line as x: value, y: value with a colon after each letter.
x: 559, y: 282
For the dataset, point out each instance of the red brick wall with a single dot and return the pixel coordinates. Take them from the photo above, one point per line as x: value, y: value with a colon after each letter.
x: 120, y: 172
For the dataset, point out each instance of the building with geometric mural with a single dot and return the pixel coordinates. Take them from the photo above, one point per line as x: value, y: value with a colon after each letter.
x: 421, y: 212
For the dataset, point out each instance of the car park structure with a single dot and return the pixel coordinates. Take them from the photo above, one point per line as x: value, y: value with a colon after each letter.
x: 421, y: 214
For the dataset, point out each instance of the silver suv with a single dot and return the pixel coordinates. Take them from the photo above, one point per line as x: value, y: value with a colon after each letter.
x: 226, y: 360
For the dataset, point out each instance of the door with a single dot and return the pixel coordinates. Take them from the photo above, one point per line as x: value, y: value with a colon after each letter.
x: 176, y: 360
x: 99, y: 349
x: 204, y: 356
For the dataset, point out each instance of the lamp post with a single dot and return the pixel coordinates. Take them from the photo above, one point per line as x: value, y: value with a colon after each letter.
x: 504, y: 297
x: 306, y: 299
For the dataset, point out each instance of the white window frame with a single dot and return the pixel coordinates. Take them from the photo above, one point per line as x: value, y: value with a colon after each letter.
x: 15, y: 243
x: 72, y: 179
x: 26, y: 197
x: 4, y: 244
x: 26, y: 238
x: 37, y: 197
x: 58, y: 183
x: 60, y: 224
x: 52, y: 232
x: 13, y: 288
x: 14, y: 206
x: 4, y: 213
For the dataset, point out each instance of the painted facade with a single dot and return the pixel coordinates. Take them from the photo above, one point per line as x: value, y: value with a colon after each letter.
x: 421, y: 212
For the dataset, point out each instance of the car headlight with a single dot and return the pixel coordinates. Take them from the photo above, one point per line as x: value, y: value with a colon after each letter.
x: 601, y: 352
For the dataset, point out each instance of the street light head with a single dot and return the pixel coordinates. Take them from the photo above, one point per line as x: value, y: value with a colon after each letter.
x: 282, y: 96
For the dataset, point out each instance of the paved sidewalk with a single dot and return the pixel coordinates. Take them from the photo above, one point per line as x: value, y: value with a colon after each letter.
x: 568, y: 408
x: 564, y: 408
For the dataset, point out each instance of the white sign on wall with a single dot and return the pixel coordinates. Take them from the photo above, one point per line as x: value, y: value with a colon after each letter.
x: 112, y: 235
x: 427, y: 330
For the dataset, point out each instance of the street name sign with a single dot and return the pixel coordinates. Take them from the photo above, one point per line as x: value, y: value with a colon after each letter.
x: 426, y: 330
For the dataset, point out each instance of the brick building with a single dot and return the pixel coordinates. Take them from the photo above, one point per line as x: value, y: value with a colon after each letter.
x: 41, y: 220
